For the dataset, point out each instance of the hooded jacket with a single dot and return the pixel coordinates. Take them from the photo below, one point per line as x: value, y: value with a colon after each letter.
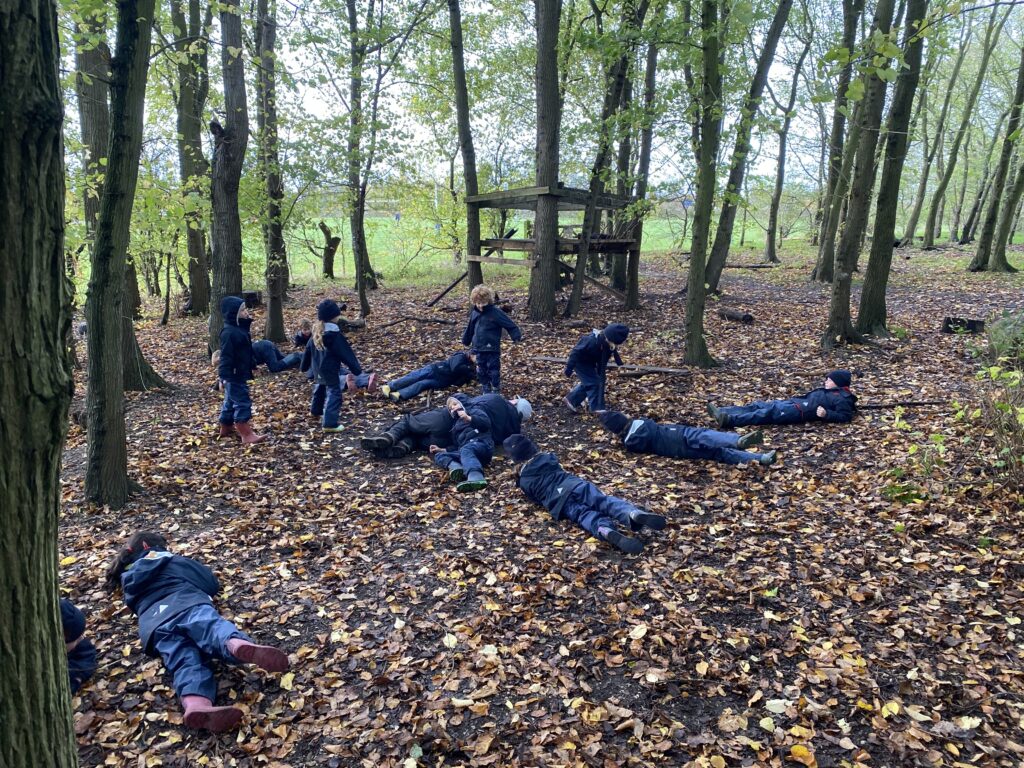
x: 592, y: 351
x: 648, y: 436
x: 336, y: 350
x: 477, y: 428
x: 840, y: 404
x: 505, y: 419
x: 160, y: 585
x: 544, y: 481
x: 236, y: 361
x: 483, y: 332
x: 456, y: 370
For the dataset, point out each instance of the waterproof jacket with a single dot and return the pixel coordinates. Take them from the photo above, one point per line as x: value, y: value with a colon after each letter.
x: 433, y: 427
x: 337, y: 351
x: 648, y: 436
x: 591, y: 352
x: 312, y: 358
x: 301, y: 339
x: 236, y: 361
x: 457, y: 369
x: 483, y: 332
x: 161, y: 585
x: 840, y: 404
x: 477, y: 428
x: 505, y: 419
x: 544, y: 481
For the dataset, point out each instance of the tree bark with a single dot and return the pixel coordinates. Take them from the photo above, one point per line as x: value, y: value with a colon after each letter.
x: 741, y: 152
x: 270, y: 162
x: 331, y: 243
x: 465, y: 128
x: 840, y: 327
x: 997, y: 261
x: 543, y: 277
x: 824, y: 271
x: 106, y: 477
x: 92, y: 59
x: 229, y: 144
x: 971, y: 225
x: 770, y: 254
x: 708, y: 102
x: 35, y: 390
x: 193, y: 87
x: 992, y: 34
x: 961, y: 195
x: 643, y: 173
x: 872, y: 314
x: 623, y: 188
x: 985, y: 258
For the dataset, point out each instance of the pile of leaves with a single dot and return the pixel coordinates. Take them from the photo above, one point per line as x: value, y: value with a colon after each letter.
x: 858, y: 603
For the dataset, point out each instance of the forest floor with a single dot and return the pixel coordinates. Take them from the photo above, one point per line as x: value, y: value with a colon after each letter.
x: 858, y: 603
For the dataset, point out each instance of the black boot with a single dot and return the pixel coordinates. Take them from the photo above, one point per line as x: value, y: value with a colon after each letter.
x: 767, y: 459
x: 624, y: 543
x: 377, y: 442
x: 720, y: 418
x: 751, y: 438
x: 643, y: 517
x: 399, y: 450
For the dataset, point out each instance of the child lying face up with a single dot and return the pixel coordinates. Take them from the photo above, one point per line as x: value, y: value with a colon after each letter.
x: 832, y: 401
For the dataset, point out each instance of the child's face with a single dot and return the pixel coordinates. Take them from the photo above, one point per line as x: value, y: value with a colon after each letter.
x: 829, y: 384
x: 243, y: 313
x: 479, y: 306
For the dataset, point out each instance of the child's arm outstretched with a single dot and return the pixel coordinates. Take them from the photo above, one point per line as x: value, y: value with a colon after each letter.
x: 509, y: 325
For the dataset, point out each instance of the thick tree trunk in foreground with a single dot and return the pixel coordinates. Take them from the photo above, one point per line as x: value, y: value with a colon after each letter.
x: 545, y: 270
x: 229, y: 144
x: 872, y: 313
x: 986, y: 258
x: 476, y: 275
x: 106, y: 476
x: 35, y: 389
x: 709, y: 105
x: 741, y: 152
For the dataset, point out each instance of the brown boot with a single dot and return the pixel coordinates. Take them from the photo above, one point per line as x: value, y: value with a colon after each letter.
x: 226, y: 430
x: 263, y: 656
x: 248, y: 436
x: 200, y: 713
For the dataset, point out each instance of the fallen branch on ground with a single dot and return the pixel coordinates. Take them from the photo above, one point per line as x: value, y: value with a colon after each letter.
x: 403, y: 318
x: 624, y: 368
x: 901, y: 404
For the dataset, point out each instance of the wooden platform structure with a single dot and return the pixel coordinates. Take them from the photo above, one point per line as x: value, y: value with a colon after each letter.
x: 569, y: 199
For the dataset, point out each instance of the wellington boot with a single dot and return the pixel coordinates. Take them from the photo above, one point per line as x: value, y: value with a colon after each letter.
x: 248, y: 436
x: 624, y: 543
x: 263, y: 656
x: 749, y: 439
x: 201, y: 714
x: 226, y: 430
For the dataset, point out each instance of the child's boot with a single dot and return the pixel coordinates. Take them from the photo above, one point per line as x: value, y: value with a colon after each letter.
x: 767, y: 459
x: 474, y: 482
x: 248, y: 436
x: 371, y: 384
x: 622, y: 543
x: 385, y: 390
x: 641, y: 518
x: 263, y: 656
x: 749, y: 439
x: 399, y: 450
x: 456, y: 474
x: 377, y: 442
x: 226, y: 430
x: 201, y: 714
x: 569, y: 405
x: 716, y: 413
x: 350, y: 382
x: 335, y: 428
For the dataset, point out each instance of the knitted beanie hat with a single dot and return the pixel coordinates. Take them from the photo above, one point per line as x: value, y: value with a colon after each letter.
x: 841, y: 378
x: 616, y: 333
x: 519, y: 448
x: 327, y: 310
x: 614, y: 421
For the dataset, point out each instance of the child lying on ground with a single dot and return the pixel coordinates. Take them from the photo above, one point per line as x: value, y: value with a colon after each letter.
x: 472, y: 449
x: 457, y: 370
x: 171, y: 595
x: 833, y: 401
x: 544, y: 481
x: 81, y: 652
x: 678, y: 441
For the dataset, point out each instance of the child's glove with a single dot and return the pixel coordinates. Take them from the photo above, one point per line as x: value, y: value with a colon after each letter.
x: 822, y: 413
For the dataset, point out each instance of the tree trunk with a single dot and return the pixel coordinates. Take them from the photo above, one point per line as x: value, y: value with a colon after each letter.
x: 92, y: 59
x: 872, y: 314
x: 270, y: 163
x: 840, y: 327
x: 1016, y: 219
x: 35, y: 390
x: 741, y: 152
x: 709, y: 104
x: 985, y: 257
x: 543, y: 277
x: 997, y: 262
x: 961, y: 195
x: 643, y: 172
x: 992, y: 34
x: 106, y: 477
x: 835, y: 213
x: 229, y: 144
x: 770, y: 254
x: 193, y: 87
x: 971, y: 225
x: 331, y: 244
x: 623, y: 187
x: 476, y: 275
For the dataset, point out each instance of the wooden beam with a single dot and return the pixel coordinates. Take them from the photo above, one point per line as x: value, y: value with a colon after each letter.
x: 639, y: 368
x: 524, y: 262
x: 597, y: 284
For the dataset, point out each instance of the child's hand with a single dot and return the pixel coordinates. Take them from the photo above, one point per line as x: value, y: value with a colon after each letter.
x: 220, y: 385
x: 464, y: 416
x: 822, y: 413
x: 436, y: 449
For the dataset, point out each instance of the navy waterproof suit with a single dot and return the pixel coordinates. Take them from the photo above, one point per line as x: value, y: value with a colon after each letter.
x: 572, y: 498
x: 483, y: 336
x: 505, y: 419
x: 589, y: 361
x: 337, y: 354
x: 171, y: 595
x: 472, y: 440
x: 236, y: 363
x: 840, y: 404
x: 82, y: 658
x: 267, y: 353
x: 453, y: 372
x: 424, y: 429
x: 677, y: 441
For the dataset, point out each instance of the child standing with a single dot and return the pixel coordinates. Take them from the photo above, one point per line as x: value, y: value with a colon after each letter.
x: 589, y: 361
x: 80, y: 650
x: 832, y: 401
x: 328, y: 339
x: 678, y: 441
x: 471, y: 435
x: 483, y: 336
x: 171, y: 595
x: 544, y: 481
x: 235, y: 368
x: 453, y: 372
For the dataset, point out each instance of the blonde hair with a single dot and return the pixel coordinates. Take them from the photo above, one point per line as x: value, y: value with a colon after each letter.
x: 215, y: 357
x: 305, y: 325
x: 482, y: 294
x: 318, y: 334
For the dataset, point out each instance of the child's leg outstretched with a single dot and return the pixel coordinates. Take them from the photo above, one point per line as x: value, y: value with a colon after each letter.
x: 449, y: 460
x: 623, y: 512
x: 488, y: 371
x: 241, y: 402
x: 473, y: 456
x: 583, y: 507
x: 316, y: 404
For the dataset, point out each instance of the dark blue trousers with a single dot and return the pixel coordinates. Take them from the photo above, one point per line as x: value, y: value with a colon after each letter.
x: 698, y: 443
x: 591, y: 388
x: 592, y: 510
x: 420, y: 380
x: 188, y: 642
x: 763, y: 412
x: 81, y: 663
x: 473, y: 456
x: 332, y: 406
x: 316, y: 403
x: 237, y: 406
x: 488, y: 371
x: 267, y: 353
